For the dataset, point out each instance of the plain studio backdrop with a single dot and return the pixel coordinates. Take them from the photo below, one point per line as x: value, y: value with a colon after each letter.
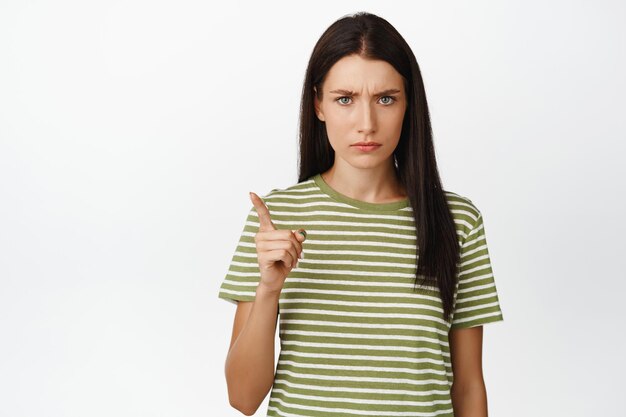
x: 132, y: 131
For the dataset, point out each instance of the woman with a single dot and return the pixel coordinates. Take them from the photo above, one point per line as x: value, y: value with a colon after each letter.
x: 380, y: 277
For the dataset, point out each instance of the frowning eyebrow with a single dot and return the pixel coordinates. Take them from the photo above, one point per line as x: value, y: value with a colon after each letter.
x: 352, y: 93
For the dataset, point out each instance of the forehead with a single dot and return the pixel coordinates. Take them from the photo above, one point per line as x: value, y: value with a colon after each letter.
x: 356, y: 73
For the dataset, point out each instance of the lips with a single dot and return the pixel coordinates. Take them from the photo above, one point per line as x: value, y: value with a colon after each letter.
x: 366, y: 144
x: 369, y: 147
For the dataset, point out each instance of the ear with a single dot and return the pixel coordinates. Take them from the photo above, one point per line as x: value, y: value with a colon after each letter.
x: 316, y: 103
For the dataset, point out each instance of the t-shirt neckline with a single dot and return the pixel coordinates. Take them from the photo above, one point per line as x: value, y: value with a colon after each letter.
x: 331, y: 192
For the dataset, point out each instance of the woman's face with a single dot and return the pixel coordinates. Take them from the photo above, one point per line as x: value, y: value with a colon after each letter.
x: 363, y: 101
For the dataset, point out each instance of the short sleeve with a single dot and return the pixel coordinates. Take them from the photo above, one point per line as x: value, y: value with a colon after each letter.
x: 477, y: 300
x: 243, y: 274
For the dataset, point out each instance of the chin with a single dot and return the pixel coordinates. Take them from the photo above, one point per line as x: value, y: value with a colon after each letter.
x: 366, y: 162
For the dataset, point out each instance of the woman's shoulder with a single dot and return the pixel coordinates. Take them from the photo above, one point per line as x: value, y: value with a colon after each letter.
x: 463, y: 209
x: 293, y: 190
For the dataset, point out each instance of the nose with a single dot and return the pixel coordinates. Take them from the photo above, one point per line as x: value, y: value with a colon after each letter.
x: 366, y: 122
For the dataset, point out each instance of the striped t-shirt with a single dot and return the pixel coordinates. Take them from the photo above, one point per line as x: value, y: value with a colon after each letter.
x: 356, y: 338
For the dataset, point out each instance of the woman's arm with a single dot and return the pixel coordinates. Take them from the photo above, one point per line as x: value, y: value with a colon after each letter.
x: 469, y: 395
x: 250, y: 361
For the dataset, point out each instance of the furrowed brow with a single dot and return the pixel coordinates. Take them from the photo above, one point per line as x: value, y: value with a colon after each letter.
x: 352, y: 93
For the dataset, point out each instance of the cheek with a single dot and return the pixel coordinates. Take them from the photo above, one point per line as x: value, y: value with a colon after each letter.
x: 337, y: 125
x: 391, y: 121
x: 397, y: 114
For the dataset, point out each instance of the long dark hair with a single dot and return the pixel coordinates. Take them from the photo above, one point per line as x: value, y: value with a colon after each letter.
x: 372, y: 37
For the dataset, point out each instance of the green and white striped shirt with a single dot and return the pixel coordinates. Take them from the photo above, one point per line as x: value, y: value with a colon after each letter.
x: 356, y: 338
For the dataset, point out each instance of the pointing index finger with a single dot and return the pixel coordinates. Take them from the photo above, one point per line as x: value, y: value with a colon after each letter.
x: 263, y: 212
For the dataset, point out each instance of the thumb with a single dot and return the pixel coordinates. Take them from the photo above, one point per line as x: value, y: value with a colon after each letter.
x: 300, y: 234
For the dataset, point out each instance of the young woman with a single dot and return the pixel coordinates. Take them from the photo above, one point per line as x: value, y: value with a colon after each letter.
x: 380, y: 277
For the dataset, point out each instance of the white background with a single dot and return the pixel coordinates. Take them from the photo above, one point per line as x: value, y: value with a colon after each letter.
x: 131, y: 132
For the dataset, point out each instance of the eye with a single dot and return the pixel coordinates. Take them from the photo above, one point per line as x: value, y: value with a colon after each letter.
x: 339, y: 99
x: 391, y: 99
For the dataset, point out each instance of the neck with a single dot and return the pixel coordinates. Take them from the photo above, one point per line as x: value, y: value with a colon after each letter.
x: 372, y: 185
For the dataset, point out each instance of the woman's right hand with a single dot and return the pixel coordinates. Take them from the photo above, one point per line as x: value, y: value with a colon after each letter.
x: 277, y: 251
